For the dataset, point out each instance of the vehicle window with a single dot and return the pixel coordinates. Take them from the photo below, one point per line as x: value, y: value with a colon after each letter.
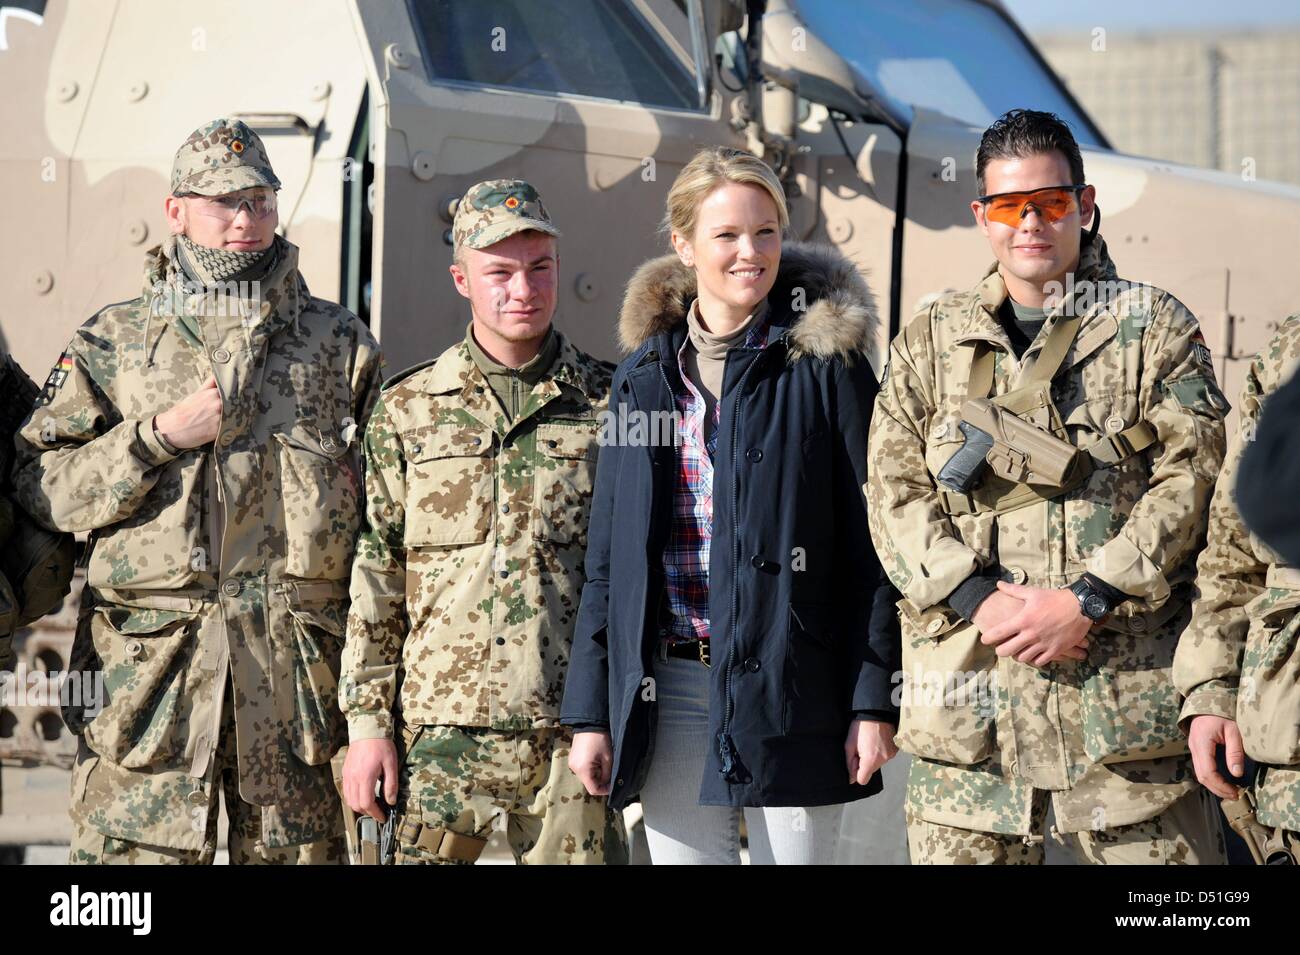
x: 632, y: 50
x: 952, y: 56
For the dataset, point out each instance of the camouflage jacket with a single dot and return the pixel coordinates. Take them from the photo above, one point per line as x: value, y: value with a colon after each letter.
x: 469, y: 570
x: 1138, y: 355
x: 1239, y: 657
x: 234, y: 555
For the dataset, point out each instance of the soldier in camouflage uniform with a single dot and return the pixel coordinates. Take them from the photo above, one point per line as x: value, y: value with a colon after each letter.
x: 35, y: 564
x: 1017, y: 693
x: 479, y: 470
x: 1238, y: 665
x: 206, y: 434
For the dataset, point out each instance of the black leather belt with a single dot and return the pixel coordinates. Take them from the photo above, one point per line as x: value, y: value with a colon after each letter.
x: 687, y: 650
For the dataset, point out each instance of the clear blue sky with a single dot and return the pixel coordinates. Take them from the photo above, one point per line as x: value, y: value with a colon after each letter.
x: 1048, y: 16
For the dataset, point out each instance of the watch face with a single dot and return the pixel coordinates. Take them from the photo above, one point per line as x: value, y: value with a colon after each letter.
x: 1095, y: 606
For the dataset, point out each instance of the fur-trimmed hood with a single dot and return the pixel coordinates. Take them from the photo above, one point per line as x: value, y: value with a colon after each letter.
x: 838, y: 319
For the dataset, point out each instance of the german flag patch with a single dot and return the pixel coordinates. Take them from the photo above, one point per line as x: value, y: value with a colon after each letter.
x: 1201, y: 351
x: 58, y: 375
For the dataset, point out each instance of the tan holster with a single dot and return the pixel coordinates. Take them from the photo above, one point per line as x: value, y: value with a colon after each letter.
x: 1031, y: 459
x: 438, y: 841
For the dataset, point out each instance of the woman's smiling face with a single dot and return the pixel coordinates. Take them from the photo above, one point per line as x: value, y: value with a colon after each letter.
x: 736, y: 248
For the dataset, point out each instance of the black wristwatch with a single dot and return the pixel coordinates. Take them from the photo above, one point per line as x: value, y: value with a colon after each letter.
x: 1092, y: 603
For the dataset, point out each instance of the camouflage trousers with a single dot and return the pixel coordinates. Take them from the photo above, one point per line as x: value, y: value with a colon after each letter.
x: 243, y: 835
x: 1187, y: 833
x: 468, y: 780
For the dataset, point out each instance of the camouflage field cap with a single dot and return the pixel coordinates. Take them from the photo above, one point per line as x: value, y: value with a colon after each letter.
x: 220, y: 157
x: 497, y: 209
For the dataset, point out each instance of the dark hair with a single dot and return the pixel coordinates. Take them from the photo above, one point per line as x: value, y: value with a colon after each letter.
x: 1020, y: 133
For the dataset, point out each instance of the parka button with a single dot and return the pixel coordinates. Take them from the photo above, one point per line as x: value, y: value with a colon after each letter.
x: 935, y: 625
x: 227, y: 438
x: 221, y: 356
x: 756, y: 561
x: 505, y: 508
x: 197, y: 797
x: 328, y: 445
x: 505, y: 574
x: 231, y: 588
x: 1138, y: 623
x: 1018, y: 575
x: 941, y: 432
x: 501, y: 641
x: 755, y: 455
x: 1115, y: 424
x: 752, y: 664
x: 619, y: 781
x: 552, y: 443
x: 133, y: 648
x: 476, y: 442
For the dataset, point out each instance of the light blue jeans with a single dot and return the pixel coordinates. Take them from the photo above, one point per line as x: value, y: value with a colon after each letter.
x: 682, y: 832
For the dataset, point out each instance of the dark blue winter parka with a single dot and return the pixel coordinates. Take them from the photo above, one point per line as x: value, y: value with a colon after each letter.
x: 803, y: 633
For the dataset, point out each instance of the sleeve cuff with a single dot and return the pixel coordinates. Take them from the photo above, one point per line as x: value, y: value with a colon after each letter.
x: 150, y: 447
x: 1113, y: 596
x: 370, y: 726
x: 946, y: 564
x: 970, y: 593
x: 878, y: 716
x: 588, y: 727
x: 1124, y: 567
x: 1210, y: 699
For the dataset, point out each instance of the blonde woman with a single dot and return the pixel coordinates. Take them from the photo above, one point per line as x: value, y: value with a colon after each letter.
x: 735, y: 641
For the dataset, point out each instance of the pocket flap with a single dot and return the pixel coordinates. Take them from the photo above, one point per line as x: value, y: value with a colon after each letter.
x: 576, y: 440
x: 1091, y: 339
x: 137, y: 621
x: 1199, y: 393
x: 933, y: 622
x: 324, y: 444
x: 433, y: 442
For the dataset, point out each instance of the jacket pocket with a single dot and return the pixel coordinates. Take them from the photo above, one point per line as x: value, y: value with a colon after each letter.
x: 1131, y: 714
x: 318, y: 626
x: 947, y: 702
x: 1268, y: 695
x: 144, y: 657
x: 157, y: 547
x: 943, y: 440
x: 322, y: 510
x: 1097, y: 509
x: 449, y: 487
x: 564, y: 475
x: 814, y: 699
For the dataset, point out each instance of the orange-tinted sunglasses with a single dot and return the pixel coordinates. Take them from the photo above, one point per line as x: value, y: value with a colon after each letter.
x: 1050, y: 202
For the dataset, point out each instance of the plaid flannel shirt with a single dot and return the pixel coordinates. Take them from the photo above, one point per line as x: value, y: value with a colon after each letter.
x: 686, y: 555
